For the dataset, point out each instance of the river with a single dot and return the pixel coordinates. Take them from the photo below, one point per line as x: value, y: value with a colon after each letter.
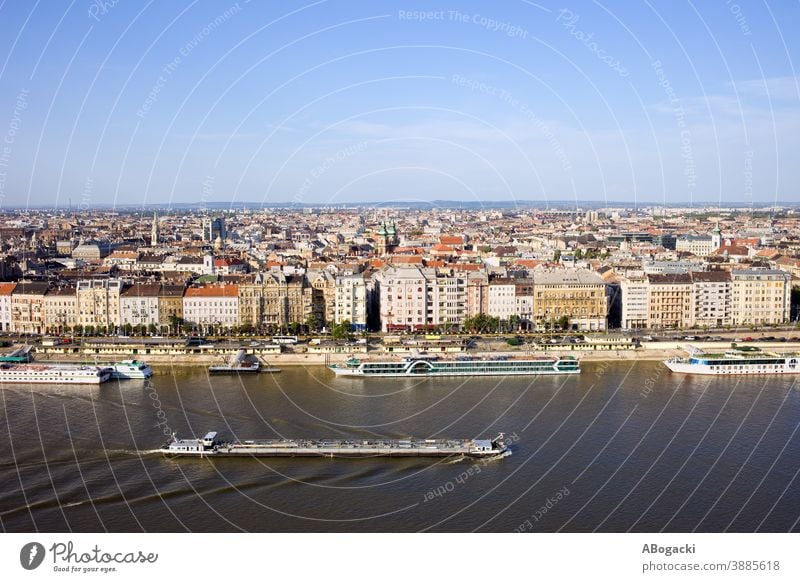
x: 624, y: 446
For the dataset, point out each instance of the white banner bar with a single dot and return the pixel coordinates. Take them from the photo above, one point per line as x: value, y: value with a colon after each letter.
x: 393, y: 557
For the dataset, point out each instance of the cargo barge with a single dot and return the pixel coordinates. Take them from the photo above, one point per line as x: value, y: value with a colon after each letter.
x: 212, y: 446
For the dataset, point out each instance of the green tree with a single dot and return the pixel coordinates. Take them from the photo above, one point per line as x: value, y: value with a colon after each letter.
x: 481, y: 323
x: 312, y: 323
x: 342, y: 330
x: 175, y: 322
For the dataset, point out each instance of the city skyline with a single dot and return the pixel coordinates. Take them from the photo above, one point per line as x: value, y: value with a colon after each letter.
x: 327, y: 103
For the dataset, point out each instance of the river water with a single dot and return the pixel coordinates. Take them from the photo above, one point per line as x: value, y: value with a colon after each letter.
x: 625, y: 446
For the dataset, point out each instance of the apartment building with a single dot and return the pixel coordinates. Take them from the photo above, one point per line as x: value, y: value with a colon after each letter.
x: 580, y: 296
x: 251, y: 301
x: 170, y: 305
x: 98, y: 302
x: 403, y: 299
x: 275, y: 311
x: 5, y: 305
x: 669, y: 299
x: 212, y: 306
x: 502, y: 302
x: 300, y: 299
x: 447, y: 298
x: 701, y: 245
x: 635, y: 306
x: 760, y: 296
x: 138, y: 305
x: 477, y: 293
x: 323, y: 285
x: 712, y: 299
x: 351, y: 301
x: 524, y: 299
x: 27, y: 306
x: 60, y: 309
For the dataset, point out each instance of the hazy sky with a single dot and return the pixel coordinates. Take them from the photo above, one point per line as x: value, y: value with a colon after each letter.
x: 331, y: 101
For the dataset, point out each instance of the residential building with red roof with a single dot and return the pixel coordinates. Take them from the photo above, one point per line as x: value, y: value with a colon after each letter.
x: 212, y: 306
x: 5, y: 305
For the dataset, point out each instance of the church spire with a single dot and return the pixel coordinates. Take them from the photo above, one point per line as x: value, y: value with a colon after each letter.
x: 154, y: 230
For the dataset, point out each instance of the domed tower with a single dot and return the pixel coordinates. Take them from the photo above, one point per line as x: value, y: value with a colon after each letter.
x: 387, y: 238
x: 716, y: 237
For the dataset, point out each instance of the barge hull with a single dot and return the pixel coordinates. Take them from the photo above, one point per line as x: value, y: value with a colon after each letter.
x: 211, y: 446
x: 331, y: 453
x: 354, y: 374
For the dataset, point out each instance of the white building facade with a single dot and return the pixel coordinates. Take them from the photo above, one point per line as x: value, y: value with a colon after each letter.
x: 760, y: 296
x: 138, y: 305
x: 634, y: 303
x: 212, y: 306
x: 351, y: 301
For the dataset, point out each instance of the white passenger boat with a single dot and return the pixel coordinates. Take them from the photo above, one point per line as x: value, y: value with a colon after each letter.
x: 735, y: 362
x: 53, y: 374
x: 129, y: 370
x: 499, y: 366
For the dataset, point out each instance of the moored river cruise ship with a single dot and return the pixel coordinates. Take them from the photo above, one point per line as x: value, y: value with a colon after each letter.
x: 53, y: 374
x: 736, y: 362
x: 416, y: 367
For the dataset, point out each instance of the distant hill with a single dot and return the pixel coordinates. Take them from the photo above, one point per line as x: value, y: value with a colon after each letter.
x: 468, y: 205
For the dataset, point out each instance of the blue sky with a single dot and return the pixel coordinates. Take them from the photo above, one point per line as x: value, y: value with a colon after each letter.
x: 338, y: 101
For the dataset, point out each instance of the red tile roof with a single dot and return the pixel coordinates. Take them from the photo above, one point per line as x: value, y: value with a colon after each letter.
x: 526, y: 262
x: 7, y: 288
x: 451, y: 240
x: 213, y: 291
x: 406, y: 260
